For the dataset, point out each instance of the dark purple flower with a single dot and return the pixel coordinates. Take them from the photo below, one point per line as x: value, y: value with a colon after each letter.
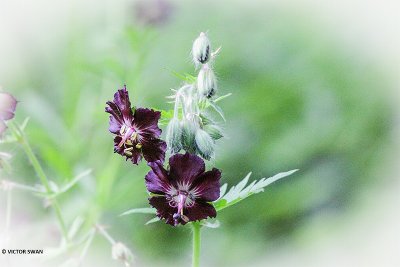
x: 137, y: 132
x: 183, y: 191
x: 152, y: 12
x: 7, y: 108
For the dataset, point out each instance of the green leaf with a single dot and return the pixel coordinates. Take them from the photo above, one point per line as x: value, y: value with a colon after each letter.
x: 210, y: 224
x: 166, y: 116
x: 156, y: 219
x: 140, y: 210
x: 217, y: 109
x: 186, y: 77
x: 241, y: 191
x: 223, y: 189
x: 222, y: 97
x: 56, y: 191
x: 220, y: 204
x: 76, y: 225
x: 12, y: 138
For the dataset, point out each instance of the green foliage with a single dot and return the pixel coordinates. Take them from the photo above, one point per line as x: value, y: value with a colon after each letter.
x: 140, y: 210
x: 240, y: 191
x: 186, y: 77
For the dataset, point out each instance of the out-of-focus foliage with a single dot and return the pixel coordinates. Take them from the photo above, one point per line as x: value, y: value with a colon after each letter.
x: 299, y: 101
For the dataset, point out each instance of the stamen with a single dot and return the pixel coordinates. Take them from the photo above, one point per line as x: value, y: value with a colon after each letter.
x: 134, y: 136
x: 139, y: 146
x: 129, y: 133
x: 181, y: 200
x: 122, y: 130
x: 129, y: 142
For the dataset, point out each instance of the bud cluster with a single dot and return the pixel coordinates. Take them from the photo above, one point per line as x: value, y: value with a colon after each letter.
x: 191, y: 129
x: 202, y: 56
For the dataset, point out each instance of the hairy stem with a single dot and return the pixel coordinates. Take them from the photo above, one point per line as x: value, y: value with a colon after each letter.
x: 88, y: 243
x: 196, y: 244
x: 104, y: 233
x: 42, y: 176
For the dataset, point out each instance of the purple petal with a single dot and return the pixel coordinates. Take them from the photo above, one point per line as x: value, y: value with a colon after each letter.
x: 121, y: 99
x: 199, y: 211
x: 114, y: 110
x: 154, y: 150
x: 120, y: 109
x: 207, y: 186
x: 136, y: 156
x: 164, y: 210
x: 115, y: 125
x: 145, y: 121
x: 185, y: 168
x: 8, y: 105
x: 157, y: 179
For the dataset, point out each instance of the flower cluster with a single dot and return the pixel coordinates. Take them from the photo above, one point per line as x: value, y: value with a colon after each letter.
x: 181, y: 193
x: 191, y: 128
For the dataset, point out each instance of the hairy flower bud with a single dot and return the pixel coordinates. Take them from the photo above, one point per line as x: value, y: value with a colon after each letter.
x: 205, y: 144
x: 206, y: 82
x: 214, y: 131
x: 174, y: 135
x: 188, y: 135
x: 201, y: 50
x: 122, y: 253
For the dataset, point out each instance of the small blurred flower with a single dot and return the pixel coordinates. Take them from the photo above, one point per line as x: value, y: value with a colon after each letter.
x: 183, y: 191
x: 8, y: 105
x: 206, y: 82
x: 152, y: 12
x: 122, y: 253
x: 201, y: 49
x: 137, y: 132
x: 6, y: 185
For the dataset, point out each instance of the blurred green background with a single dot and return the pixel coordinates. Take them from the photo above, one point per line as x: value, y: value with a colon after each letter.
x: 300, y: 100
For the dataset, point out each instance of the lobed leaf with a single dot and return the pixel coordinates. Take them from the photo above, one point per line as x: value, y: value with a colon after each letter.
x: 210, y: 224
x: 222, y: 97
x: 186, y: 77
x: 155, y: 219
x: 241, y: 191
x: 217, y: 109
x: 140, y: 210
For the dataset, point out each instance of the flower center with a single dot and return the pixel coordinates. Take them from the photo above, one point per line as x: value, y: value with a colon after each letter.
x: 129, y: 138
x: 181, y: 199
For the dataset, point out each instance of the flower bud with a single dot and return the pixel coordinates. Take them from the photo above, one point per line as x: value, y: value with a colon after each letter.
x: 205, y: 144
x: 214, y: 131
x: 174, y: 135
x: 201, y: 50
x: 206, y: 82
x: 188, y: 135
x: 122, y: 253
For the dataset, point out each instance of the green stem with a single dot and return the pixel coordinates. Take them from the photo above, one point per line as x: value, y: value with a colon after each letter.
x: 42, y: 176
x: 196, y: 244
x: 87, y: 245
